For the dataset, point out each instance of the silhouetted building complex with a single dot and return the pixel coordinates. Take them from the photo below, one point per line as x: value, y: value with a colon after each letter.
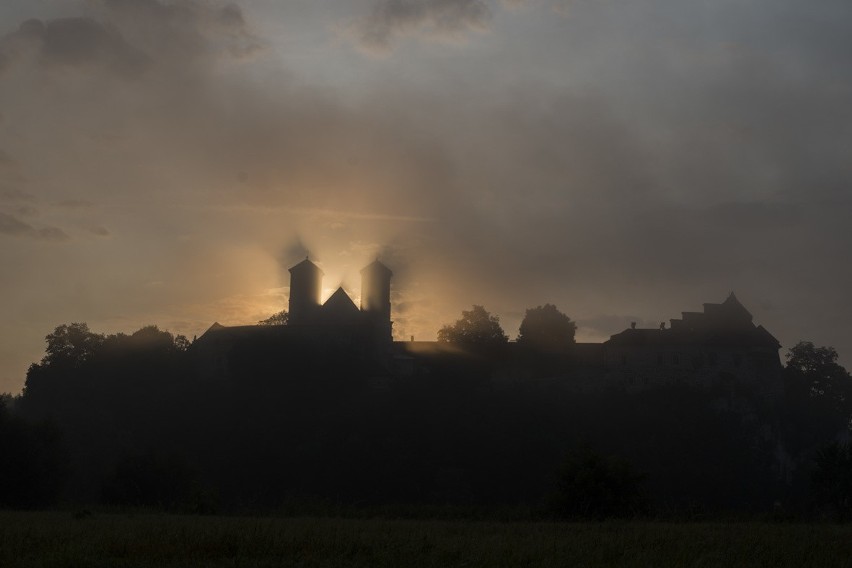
x: 718, y: 345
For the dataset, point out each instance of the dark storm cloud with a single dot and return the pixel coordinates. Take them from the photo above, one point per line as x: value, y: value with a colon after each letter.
x: 13, y: 227
x: 448, y: 19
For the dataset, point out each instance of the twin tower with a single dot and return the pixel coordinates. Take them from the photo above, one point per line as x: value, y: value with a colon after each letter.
x: 339, y: 309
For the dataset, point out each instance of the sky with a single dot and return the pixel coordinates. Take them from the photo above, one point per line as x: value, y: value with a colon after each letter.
x: 165, y: 161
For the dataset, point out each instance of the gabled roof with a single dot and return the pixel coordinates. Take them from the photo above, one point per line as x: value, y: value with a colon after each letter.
x: 377, y: 267
x: 339, y: 303
x: 305, y: 266
x: 734, y: 307
x: 216, y: 325
x: 768, y: 337
x: 640, y: 336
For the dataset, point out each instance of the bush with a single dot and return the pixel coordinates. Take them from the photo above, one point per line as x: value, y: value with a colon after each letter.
x: 590, y: 486
x: 157, y: 481
x: 832, y: 480
x: 33, y: 462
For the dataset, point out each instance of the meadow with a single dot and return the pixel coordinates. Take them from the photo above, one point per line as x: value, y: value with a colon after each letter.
x: 56, y: 539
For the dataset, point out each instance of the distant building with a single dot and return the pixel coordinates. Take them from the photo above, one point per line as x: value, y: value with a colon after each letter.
x: 717, y: 346
x: 335, y: 328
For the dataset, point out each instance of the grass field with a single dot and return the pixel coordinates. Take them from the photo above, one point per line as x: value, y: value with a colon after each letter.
x: 60, y: 540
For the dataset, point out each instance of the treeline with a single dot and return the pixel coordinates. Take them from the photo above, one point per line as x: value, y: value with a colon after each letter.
x: 124, y: 420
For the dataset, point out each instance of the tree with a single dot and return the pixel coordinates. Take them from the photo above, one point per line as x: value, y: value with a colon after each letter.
x: 476, y: 328
x: 819, y: 370
x: 814, y: 373
x: 182, y: 343
x: 279, y: 318
x: 545, y: 328
x: 71, y: 344
x: 817, y: 398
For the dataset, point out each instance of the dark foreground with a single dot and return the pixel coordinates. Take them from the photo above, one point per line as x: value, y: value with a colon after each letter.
x: 61, y: 540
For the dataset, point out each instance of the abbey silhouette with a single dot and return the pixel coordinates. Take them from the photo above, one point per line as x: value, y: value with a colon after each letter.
x: 339, y: 310
x: 718, y: 345
x: 336, y: 330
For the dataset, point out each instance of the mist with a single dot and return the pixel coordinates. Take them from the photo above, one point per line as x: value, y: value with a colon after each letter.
x: 166, y: 162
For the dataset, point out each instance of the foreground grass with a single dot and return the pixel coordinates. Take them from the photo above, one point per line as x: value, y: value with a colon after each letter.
x: 59, y: 540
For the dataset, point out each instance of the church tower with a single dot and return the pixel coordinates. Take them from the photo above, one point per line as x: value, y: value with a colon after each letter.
x: 305, y: 291
x: 375, y: 295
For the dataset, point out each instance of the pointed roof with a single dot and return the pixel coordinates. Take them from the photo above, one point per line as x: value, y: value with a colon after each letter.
x: 306, y: 266
x: 733, y: 306
x: 378, y: 267
x: 215, y: 327
x: 339, y: 303
x: 767, y: 337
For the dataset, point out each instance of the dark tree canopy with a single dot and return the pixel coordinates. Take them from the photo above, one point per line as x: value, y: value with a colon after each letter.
x: 71, y: 344
x: 278, y: 318
x: 152, y: 337
x: 815, y: 371
x: 818, y: 366
x: 476, y: 328
x: 818, y: 396
x: 75, y: 353
x: 545, y: 328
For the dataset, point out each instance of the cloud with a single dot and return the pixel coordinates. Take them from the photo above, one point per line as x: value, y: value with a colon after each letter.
x: 125, y: 37
x: 81, y: 41
x: 9, y: 225
x: 71, y: 42
x: 99, y: 231
x: 75, y: 204
x: 188, y: 28
x: 52, y: 234
x: 436, y: 19
x: 13, y: 227
x: 9, y: 194
x: 614, y: 162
